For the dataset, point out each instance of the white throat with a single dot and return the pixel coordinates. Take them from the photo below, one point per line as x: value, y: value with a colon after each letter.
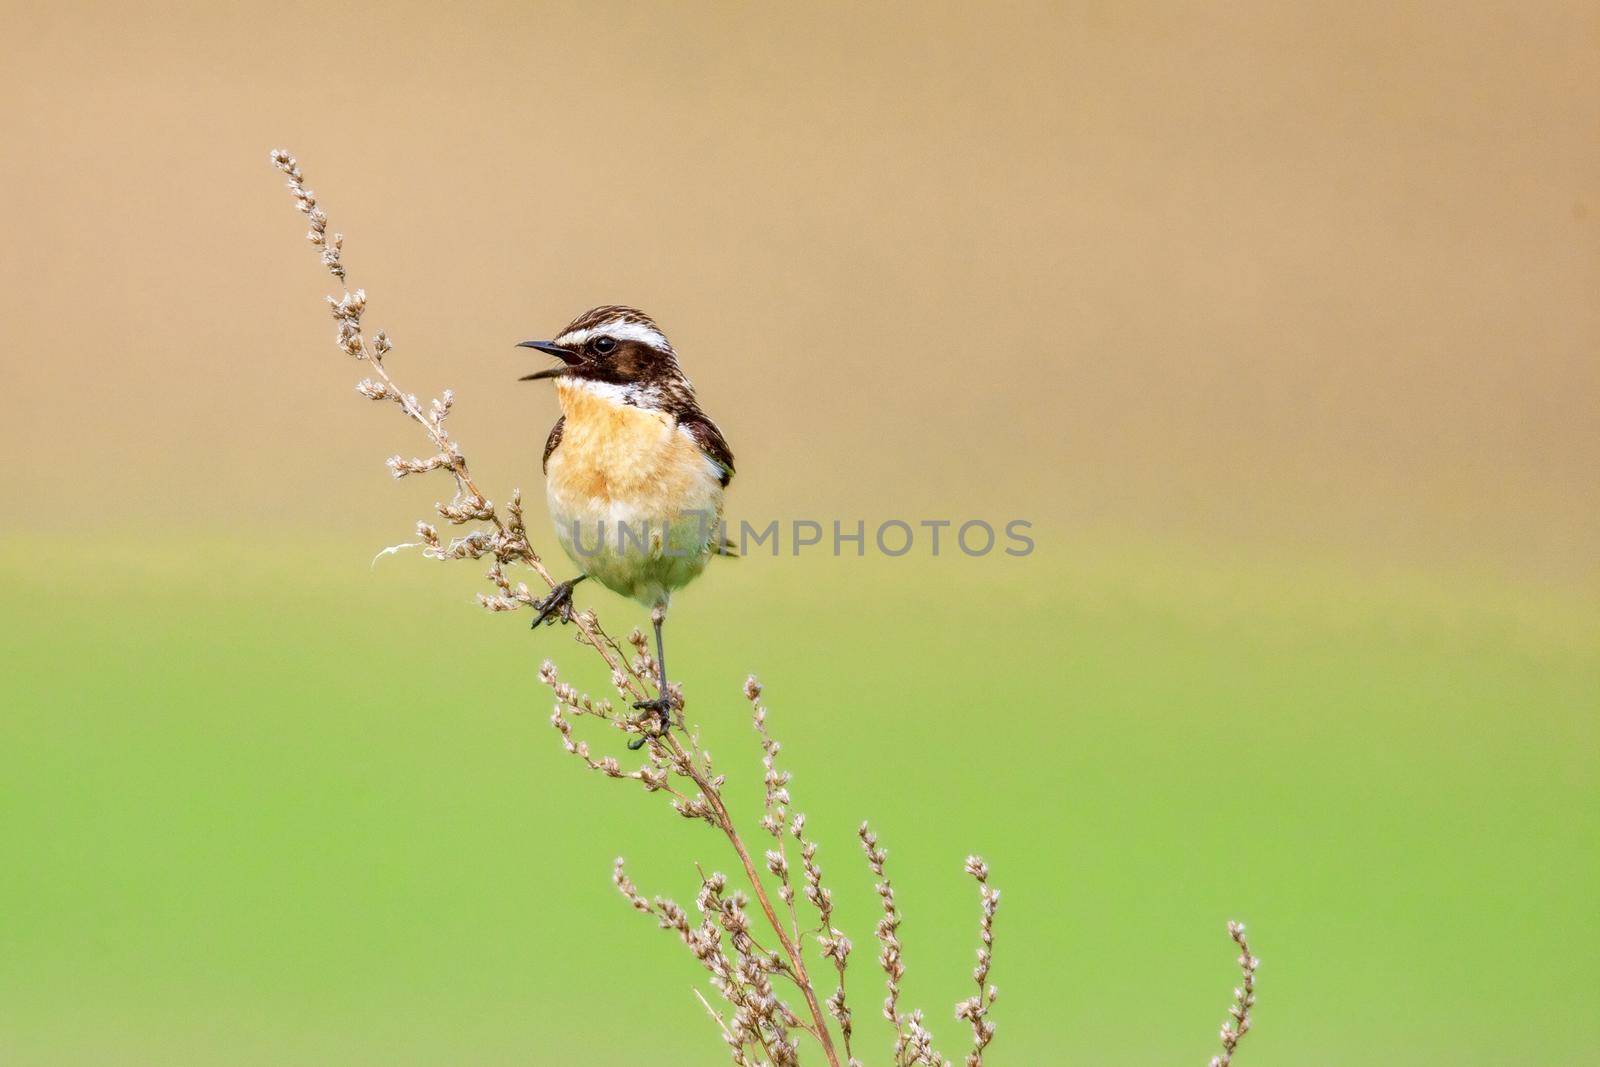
x: 633, y: 394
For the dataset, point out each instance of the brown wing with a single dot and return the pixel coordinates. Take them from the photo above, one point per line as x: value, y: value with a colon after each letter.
x: 712, y: 444
x: 552, y: 443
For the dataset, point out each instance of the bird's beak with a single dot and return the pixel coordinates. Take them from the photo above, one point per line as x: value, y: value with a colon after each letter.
x: 566, y: 355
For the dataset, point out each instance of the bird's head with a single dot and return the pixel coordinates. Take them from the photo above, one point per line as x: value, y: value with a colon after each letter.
x: 617, y: 350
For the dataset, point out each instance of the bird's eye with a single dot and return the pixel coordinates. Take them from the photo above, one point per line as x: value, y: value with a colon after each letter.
x: 604, y: 345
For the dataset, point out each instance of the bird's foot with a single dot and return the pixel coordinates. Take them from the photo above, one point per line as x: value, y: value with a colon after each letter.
x: 661, y: 707
x: 557, y: 607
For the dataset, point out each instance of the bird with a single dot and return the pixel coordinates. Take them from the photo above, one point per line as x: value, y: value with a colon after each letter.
x: 635, y: 471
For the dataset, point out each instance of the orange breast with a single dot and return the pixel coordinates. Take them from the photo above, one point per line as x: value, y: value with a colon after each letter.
x: 616, y: 454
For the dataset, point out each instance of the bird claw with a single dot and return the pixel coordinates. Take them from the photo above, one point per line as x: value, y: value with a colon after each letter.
x: 557, y: 607
x: 662, y: 708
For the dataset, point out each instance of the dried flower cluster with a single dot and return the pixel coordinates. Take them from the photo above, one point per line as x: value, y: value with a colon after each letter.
x: 975, y: 1009
x: 498, y: 535
x: 755, y: 959
x: 1244, y: 998
x: 762, y: 975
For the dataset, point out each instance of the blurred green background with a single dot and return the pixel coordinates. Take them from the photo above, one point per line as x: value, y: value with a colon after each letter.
x: 1277, y: 320
x: 311, y: 813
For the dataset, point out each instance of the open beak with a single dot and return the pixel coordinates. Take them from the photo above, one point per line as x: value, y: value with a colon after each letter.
x: 566, y: 355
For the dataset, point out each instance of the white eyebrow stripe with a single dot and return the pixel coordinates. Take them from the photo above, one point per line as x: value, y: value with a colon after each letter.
x: 621, y: 329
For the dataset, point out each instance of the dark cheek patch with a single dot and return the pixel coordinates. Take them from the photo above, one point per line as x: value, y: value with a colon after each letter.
x: 629, y: 364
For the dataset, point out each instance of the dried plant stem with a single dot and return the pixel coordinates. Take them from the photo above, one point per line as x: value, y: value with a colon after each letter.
x: 1244, y: 998
x: 506, y: 540
x: 739, y: 1058
x: 791, y: 947
x: 760, y: 1031
x: 975, y: 1009
x: 888, y: 934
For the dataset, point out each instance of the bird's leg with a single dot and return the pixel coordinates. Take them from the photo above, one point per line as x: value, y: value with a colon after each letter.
x: 662, y: 704
x: 558, y: 605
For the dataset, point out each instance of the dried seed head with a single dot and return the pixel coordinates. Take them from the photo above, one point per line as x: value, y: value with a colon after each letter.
x: 1244, y: 998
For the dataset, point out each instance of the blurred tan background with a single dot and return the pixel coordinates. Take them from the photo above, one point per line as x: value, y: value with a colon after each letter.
x: 1279, y: 320
x: 1318, y: 277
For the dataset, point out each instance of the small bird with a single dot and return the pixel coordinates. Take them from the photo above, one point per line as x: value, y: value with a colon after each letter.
x: 634, y: 470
